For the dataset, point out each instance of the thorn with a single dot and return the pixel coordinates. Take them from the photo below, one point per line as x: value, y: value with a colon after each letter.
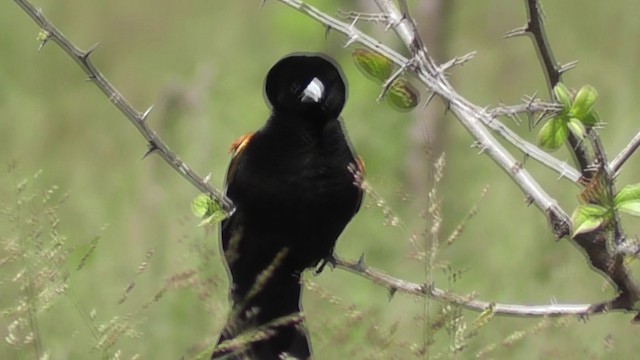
x: 353, y: 23
x: 262, y: 2
x: 592, y: 168
x: 583, y: 318
x: 566, y: 67
x: 528, y: 200
x: 387, y: 84
x: 539, y: 119
x: 392, y: 24
x: 459, y: 60
x: 516, y: 32
x: 392, y: 291
x: 598, y: 126
x: 444, y: 67
x: 369, y: 17
x: 93, y: 47
x: 529, y: 100
x: 467, y: 57
x: 515, y: 117
x: 563, y: 172
x: 146, y: 113
x: 516, y: 167
x: 352, y: 39
x: 207, y: 178
x: 429, y: 98
x: 427, y: 288
x: 344, y: 14
x: 327, y: 30
x: 360, y: 265
x: 480, y: 146
x: 152, y: 148
x: 447, y: 106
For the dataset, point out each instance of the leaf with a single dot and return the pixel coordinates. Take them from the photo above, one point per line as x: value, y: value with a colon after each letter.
x: 577, y: 128
x: 372, y: 64
x: 592, y: 118
x: 628, y: 193
x: 563, y: 96
x: 201, y: 206
x: 43, y: 35
x: 630, y: 207
x: 207, y: 209
x: 628, y: 200
x: 587, y: 218
x: 553, y: 134
x: 402, y: 95
x: 583, y: 102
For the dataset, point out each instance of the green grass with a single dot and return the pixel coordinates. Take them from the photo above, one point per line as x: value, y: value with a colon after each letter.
x: 202, y: 63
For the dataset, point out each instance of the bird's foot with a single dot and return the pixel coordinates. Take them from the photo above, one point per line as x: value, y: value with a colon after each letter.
x: 331, y: 260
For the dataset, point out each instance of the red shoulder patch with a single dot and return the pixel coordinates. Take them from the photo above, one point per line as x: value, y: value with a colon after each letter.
x: 360, y: 164
x: 240, y: 143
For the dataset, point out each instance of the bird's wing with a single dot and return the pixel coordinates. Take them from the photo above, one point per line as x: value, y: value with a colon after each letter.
x: 236, y: 149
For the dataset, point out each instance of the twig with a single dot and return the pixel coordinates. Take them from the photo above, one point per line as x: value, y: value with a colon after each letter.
x: 552, y: 71
x: 625, y: 154
x: 529, y: 150
x: 398, y: 285
x: 609, y: 182
x: 529, y: 107
x: 138, y: 119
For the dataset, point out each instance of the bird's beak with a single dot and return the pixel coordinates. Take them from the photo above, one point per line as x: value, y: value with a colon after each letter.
x: 314, y: 92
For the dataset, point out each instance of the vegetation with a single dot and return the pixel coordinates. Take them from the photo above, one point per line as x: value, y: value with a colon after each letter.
x: 101, y: 257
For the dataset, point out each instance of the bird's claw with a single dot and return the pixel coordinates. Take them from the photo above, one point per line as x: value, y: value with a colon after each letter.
x: 331, y: 260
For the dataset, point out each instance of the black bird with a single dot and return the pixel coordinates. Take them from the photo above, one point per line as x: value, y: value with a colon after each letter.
x: 294, y: 186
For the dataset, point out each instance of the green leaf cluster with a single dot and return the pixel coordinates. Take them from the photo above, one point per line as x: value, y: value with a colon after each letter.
x: 402, y: 95
x: 576, y: 115
x: 589, y: 217
x: 207, y: 209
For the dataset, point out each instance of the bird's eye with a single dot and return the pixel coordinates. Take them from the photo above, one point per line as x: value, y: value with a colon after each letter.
x: 296, y: 87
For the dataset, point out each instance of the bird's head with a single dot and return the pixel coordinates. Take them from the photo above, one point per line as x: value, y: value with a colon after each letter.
x: 306, y: 84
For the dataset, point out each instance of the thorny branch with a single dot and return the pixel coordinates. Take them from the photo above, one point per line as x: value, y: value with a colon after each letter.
x: 609, y: 262
x: 50, y: 33
x: 394, y: 284
x: 476, y: 120
x: 552, y: 70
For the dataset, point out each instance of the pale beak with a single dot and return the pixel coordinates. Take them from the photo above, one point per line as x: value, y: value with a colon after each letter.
x: 313, y: 92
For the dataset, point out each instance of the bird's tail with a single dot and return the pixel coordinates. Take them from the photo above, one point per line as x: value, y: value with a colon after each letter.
x: 265, y: 323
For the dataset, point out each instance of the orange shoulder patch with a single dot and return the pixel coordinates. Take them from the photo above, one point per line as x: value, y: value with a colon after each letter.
x: 360, y: 164
x: 240, y: 143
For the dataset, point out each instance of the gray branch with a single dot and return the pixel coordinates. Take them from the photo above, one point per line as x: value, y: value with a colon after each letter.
x: 466, y: 301
x: 625, y: 154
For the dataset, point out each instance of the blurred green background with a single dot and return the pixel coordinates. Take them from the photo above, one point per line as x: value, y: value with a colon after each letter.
x: 202, y: 64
